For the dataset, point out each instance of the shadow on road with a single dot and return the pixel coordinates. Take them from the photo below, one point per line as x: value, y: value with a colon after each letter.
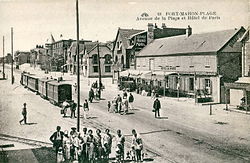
x: 31, y: 123
x: 129, y: 113
x: 92, y: 117
x: 152, y: 132
x: 162, y: 118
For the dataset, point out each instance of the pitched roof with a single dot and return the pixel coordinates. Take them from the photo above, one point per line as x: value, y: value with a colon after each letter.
x: 196, y: 43
x: 125, y: 34
x: 50, y: 40
x: 88, y: 46
x: 100, y: 45
x: 72, y: 47
x: 245, y: 35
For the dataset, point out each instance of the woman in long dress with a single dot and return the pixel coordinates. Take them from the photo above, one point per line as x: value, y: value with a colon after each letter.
x: 91, y: 146
x: 66, y: 145
x: 107, y: 143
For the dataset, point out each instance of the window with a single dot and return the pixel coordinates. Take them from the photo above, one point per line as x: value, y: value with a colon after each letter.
x: 116, y: 59
x: 207, y: 83
x: 117, y: 44
x: 95, y: 68
x: 107, y: 59
x: 191, y: 84
x: 122, y: 60
x: 95, y: 59
x: 107, y: 68
x: 151, y: 64
x: 208, y: 86
x: 167, y: 82
x: 207, y: 62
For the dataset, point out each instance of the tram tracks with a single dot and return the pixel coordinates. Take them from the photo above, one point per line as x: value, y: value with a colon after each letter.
x: 31, y: 142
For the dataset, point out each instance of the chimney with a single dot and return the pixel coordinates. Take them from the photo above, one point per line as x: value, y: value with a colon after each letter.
x: 163, y: 25
x: 150, y: 35
x: 188, y: 31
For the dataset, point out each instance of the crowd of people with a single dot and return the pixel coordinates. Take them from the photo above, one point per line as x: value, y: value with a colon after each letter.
x: 85, y: 146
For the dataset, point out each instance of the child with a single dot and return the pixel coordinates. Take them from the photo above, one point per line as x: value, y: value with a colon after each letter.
x: 118, y: 153
x: 60, y: 157
x: 138, y: 149
x: 132, y: 153
x: 109, y: 105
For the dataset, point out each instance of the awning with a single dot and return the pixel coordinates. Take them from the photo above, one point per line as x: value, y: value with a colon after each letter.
x: 134, y: 73
x: 243, y: 86
x: 131, y: 73
x: 146, y: 75
x: 124, y: 73
x: 159, y: 75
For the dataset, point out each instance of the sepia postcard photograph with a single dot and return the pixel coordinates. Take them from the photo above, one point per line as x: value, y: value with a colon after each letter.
x: 129, y: 81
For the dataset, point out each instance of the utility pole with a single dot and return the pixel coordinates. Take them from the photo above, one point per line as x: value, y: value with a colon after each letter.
x: 3, y: 59
x: 12, y: 58
x: 178, y: 86
x: 195, y: 89
x: 78, y: 67
x: 99, y: 70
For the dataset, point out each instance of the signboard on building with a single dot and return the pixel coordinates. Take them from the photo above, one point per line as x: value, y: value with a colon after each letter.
x: 140, y: 41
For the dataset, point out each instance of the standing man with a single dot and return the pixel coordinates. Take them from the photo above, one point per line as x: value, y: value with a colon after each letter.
x: 85, y: 109
x: 57, y: 138
x: 73, y: 109
x: 131, y: 100
x: 119, y: 103
x: 157, y: 106
x: 24, y: 113
x: 83, y: 145
x: 91, y: 95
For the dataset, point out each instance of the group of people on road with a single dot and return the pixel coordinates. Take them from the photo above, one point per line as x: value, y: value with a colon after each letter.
x: 72, y: 106
x: 95, y: 91
x: 85, y: 146
x: 121, y: 104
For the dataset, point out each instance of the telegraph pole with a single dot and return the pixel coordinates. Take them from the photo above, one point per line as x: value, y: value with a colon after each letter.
x: 78, y: 67
x: 12, y: 60
x: 3, y: 59
x: 99, y: 70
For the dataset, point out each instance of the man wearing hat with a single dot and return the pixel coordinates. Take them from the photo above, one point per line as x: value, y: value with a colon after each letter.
x: 57, y: 138
x: 24, y: 113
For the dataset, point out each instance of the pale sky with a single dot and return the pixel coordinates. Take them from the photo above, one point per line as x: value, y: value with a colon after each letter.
x: 34, y: 20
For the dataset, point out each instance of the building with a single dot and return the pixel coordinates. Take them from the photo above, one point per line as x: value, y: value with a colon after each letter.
x: 21, y: 57
x: 38, y: 56
x: 71, y: 62
x: 245, y: 53
x: 240, y: 89
x: 129, y: 42
x: 93, y: 60
x: 59, y: 54
x: 48, y: 45
x: 121, y: 47
x: 8, y: 58
x: 195, y: 65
